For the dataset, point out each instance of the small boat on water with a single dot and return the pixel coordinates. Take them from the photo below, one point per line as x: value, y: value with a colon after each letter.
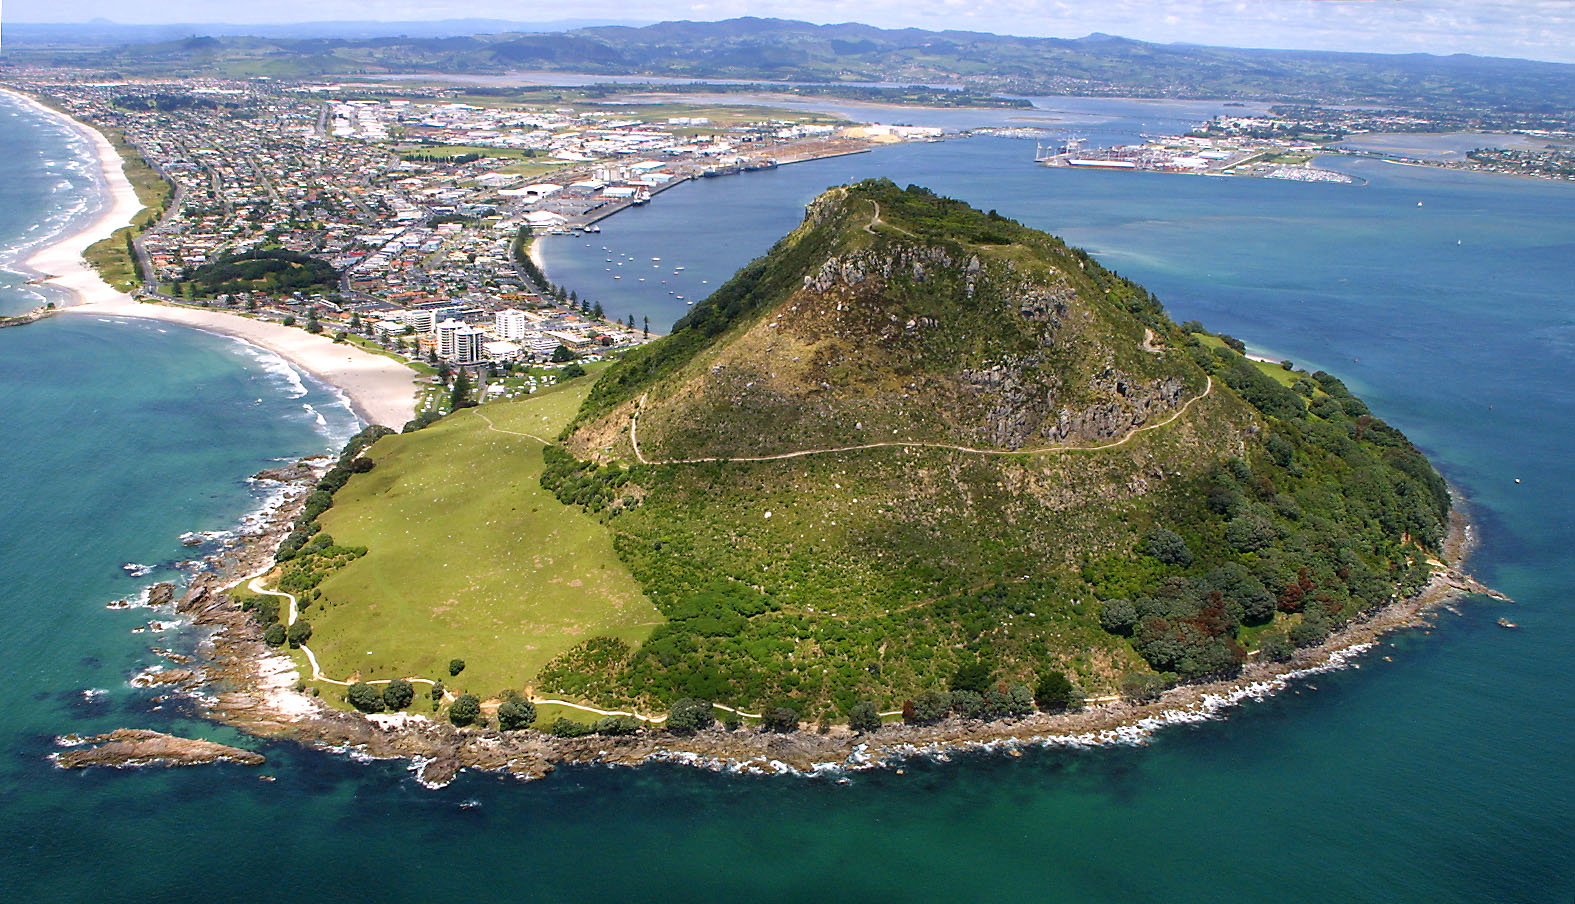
x: 1506, y: 623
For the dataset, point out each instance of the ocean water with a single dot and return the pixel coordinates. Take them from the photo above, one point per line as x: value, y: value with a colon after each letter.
x: 48, y: 179
x: 1438, y: 770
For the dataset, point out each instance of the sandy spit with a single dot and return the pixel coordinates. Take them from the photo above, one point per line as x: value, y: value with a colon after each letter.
x: 381, y: 390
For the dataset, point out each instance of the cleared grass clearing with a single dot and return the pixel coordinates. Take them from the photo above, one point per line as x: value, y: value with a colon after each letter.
x: 1274, y: 371
x: 470, y: 558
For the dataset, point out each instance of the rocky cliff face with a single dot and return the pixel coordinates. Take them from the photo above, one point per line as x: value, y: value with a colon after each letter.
x: 891, y: 335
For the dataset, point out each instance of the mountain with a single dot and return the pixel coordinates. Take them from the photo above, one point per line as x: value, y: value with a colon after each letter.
x: 778, y: 50
x: 103, y: 31
x: 955, y: 327
x: 918, y: 441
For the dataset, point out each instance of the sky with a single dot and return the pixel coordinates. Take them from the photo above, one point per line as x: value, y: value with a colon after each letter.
x: 1535, y: 29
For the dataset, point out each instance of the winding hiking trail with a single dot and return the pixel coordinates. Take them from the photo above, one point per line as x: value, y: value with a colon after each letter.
x: 496, y: 429
x: 255, y: 585
x: 634, y: 440
x: 875, y: 220
x: 292, y: 613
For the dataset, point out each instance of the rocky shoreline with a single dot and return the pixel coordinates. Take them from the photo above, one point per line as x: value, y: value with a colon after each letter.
x: 140, y: 747
x: 244, y: 683
x: 32, y: 316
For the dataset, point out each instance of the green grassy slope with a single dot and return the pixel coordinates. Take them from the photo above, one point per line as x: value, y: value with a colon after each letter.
x: 469, y: 557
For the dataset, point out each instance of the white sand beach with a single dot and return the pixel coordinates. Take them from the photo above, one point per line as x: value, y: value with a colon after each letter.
x: 382, y: 390
x: 61, y: 262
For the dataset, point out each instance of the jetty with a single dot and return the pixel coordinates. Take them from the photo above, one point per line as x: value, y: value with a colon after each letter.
x: 31, y: 316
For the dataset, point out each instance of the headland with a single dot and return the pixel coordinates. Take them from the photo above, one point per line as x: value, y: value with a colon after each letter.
x: 1199, y: 422
x: 251, y: 686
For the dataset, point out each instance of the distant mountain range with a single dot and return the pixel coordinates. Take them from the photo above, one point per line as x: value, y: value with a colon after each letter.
x: 106, y: 32
x: 783, y: 50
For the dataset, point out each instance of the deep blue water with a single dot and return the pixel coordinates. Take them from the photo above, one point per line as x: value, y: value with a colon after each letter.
x: 1443, y: 774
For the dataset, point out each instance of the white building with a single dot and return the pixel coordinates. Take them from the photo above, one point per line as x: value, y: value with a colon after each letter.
x: 502, y: 351
x: 545, y: 219
x: 570, y: 340
x: 461, y: 343
x: 423, y: 321
x: 470, y: 345
x: 446, y: 331
x: 538, y: 343
x: 511, y: 324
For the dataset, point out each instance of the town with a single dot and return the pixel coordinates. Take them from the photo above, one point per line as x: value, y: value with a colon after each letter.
x: 402, y: 216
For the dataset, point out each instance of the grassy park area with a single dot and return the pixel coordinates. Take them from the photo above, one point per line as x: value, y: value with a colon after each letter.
x: 469, y: 557
x: 1274, y: 371
x: 112, y: 257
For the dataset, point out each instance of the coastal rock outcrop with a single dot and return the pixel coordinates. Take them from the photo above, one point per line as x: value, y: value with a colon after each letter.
x: 141, y: 747
x: 305, y: 469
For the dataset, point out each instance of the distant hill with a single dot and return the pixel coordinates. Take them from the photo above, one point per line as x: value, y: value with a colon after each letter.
x: 785, y: 50
x: 918, y: 441
x: 104, y: 32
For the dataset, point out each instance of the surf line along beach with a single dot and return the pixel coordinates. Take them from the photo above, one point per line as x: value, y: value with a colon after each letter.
x: 380, y: 389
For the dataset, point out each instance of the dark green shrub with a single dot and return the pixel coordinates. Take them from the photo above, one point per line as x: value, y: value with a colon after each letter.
x: 927, y: 708
x: 1118, y: 616
x: 1054, y: 691
x: 1142, y: 687
x: 863, y: 717
x: 568, y: 728
x: 365, y: 697
x: 516, y: 713
x: 464, y: 710
x: 617, y: 725
x: 972, y: 676
x: 1167, y: 546
x: 397, y: 694
x: 1275, y: 647
x: 779, y: 719
x: 298, y: 633
x: 690, y: 715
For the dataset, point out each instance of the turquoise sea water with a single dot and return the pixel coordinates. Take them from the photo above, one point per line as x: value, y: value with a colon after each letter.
x: 1440, y: 774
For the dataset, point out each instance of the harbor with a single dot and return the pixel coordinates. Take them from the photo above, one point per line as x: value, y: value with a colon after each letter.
x: 1259, y: 158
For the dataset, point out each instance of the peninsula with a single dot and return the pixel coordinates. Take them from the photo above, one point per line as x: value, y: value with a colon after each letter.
x: 920, y: 476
